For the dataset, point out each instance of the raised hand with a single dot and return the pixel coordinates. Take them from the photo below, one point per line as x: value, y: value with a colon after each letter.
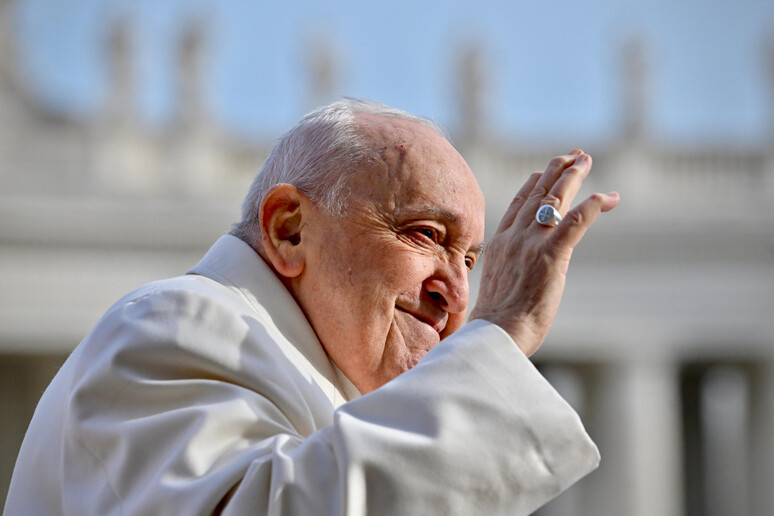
x: 525, y: 263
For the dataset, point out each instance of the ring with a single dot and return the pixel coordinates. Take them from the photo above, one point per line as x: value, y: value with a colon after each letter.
x: 548, y: 216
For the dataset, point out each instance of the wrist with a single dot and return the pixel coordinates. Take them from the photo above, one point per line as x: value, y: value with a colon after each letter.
x: 523, y: 335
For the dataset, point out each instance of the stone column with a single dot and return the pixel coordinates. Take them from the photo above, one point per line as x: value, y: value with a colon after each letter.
x: 634, y: 415
x: 724, y: 417
x: 761, y: 482
x: 568, y: 380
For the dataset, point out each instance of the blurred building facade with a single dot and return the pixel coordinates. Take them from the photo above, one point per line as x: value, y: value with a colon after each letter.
x: 664, y: 342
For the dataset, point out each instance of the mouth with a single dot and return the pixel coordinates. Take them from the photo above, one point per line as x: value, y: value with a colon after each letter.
x: 437, y: 325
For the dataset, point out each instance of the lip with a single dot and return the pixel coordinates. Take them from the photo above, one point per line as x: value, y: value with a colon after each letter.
x: 437, y: 326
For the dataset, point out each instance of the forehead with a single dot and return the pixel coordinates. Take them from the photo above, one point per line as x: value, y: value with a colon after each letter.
x: 413, y: 169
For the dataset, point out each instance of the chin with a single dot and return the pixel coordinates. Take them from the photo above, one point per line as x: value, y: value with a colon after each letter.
x: 415, y: 356
x: 413, y: 360
x: 414, y: 341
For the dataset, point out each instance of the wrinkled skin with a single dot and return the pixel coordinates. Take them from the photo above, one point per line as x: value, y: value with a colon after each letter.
x: 526, y: 263
x: 387, y: 281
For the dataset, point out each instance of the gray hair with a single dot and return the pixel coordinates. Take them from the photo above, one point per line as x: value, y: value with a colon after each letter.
x: 317, y: 156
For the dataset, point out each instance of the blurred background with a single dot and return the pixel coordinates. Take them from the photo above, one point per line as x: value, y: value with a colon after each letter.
x: 129, y: 131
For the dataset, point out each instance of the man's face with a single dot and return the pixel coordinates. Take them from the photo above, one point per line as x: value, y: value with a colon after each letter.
x: 384, y: 283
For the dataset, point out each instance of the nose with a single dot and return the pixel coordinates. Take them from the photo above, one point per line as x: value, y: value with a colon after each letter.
x: 448, y: 286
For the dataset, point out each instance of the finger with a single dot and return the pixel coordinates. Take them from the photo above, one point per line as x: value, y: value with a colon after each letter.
x: 574, y: 225
x: 552, y: 173
x: 555, y: 168
x: 518, y: 202
x: 569, y: 183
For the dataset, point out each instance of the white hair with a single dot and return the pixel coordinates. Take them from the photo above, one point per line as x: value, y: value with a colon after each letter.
x: 317, y: 156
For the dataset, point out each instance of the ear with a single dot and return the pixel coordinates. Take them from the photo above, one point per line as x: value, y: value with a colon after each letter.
x: 282, y: 218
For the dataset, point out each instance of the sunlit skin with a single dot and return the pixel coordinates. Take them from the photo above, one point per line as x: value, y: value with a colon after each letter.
x: 387, y: 281
x: 383, y: 284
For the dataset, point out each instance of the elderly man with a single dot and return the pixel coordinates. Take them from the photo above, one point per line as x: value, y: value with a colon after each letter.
x: 316, y: 360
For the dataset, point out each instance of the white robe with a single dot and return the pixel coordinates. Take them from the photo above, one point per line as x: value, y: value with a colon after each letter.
x: 211, y: 393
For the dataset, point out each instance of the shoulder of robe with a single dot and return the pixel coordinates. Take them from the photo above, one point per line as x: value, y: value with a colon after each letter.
x: 184, y: 327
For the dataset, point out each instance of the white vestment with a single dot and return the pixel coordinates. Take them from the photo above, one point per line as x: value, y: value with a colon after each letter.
x: 211, y: 393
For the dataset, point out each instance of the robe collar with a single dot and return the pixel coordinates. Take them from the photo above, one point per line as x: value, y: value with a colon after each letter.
x: 231, y: 262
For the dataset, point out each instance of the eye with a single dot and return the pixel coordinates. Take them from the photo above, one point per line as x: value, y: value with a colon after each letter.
x: 429, y: 233
x: 470, y: 262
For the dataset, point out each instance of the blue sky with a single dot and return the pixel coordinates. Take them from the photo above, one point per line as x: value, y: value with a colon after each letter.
x: 553, y: 65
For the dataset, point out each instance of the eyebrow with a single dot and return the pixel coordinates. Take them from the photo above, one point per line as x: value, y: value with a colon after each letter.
x: 436, y: 211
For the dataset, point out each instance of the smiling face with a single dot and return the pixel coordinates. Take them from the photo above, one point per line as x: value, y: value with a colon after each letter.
x: 384, y: 283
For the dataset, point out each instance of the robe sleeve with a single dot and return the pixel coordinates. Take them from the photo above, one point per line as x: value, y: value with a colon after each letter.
x: 472, y: 429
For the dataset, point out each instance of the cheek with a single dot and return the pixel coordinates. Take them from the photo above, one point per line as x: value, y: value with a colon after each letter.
x: 367, y: 281
x: 357, y: 285
x: 389, y: 265
x: 407, y: 265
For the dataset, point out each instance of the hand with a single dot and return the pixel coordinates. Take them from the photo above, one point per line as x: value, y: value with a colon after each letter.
x: 525, y: 263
